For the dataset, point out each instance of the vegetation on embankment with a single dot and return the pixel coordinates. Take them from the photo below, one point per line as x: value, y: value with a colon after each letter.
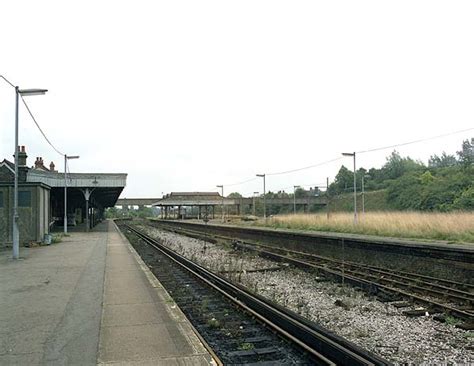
x: 373, y: 201
x: 453, y: 226
x: 445, y: 184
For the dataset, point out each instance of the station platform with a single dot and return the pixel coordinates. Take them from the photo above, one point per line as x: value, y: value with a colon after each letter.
x: 90, y: 300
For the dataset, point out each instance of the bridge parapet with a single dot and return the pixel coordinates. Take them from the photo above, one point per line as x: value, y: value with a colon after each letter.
x: 136, y: 201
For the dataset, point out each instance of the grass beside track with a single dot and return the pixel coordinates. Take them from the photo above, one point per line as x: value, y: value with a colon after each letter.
x: 454, y: 227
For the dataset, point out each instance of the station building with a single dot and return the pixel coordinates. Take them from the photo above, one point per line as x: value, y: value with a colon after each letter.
x: 41, y: 198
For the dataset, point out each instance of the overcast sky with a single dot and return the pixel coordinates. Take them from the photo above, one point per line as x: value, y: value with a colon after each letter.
x: 185, y: 95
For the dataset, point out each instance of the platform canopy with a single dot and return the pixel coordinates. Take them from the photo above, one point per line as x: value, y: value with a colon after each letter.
x: 104, y: 187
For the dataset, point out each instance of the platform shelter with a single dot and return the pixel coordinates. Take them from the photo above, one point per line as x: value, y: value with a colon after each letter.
x: 172, y: 205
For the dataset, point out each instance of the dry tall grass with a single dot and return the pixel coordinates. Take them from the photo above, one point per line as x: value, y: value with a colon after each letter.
x: 456, y: 226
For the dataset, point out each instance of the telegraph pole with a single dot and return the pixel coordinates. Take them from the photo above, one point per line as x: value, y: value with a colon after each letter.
x: 264, y: 198
x: 355, y: 185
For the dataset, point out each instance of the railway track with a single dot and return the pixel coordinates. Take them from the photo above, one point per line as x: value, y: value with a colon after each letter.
x: 314, y: 344
x: 435, y: 294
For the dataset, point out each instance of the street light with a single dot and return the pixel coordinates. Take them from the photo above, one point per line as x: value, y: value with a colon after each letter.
x: 16, y: 233
x: 355, y: 187
x: 222, y: 187
x: 66, y: 158
x: 363, y: 192
x: 264, y: 199
x: 294, y: 198
x: 253, y: 206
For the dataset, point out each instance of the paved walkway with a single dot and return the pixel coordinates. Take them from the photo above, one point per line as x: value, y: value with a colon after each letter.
x: 141, y: 324
x: 88, y: 300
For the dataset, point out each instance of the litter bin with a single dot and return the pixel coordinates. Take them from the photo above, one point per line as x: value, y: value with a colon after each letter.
x: 47, y: 239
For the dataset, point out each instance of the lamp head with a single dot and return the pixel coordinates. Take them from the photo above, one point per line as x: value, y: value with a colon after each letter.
x: 28, y: 92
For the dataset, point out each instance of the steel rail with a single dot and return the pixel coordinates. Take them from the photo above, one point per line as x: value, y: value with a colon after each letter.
x: 434, y: 288
x: 415, y: 276
x: 364, y: 282
x: 463, y: 295
x: 408, y: 276
x: 370, y: 284
x: 325, y: 347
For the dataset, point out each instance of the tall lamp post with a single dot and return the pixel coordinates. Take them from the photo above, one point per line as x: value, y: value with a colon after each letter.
x: 66, y: 158
x: 294, y: 198
x: 16, y: 233
x: 253, y: 206
x: 222, y: 188
x: 363, y: 192
x: 355, y: 185
x: 264, y: 199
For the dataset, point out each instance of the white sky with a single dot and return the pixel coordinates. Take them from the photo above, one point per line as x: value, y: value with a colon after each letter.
x: 184, y: 95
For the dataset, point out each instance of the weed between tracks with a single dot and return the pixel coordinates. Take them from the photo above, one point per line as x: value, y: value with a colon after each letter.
x: 246, y: 346
x: 454, y: 226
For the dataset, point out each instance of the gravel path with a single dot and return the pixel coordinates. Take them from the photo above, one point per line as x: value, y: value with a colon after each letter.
x: 378, y: 327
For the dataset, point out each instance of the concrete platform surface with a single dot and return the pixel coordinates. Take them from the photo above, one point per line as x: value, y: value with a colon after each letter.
x: 141, y: 324
x: 90, y: 300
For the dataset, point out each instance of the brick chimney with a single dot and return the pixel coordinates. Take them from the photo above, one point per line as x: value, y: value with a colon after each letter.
x: 39, y: 164
x: 22, y: 156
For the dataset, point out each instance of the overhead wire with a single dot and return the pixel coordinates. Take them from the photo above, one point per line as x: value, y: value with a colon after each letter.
x: 8, y: 81
x: 414, y: 141
x: 286, y: 172
x: 39, y: 128
x: 33, y: 117
x: 357, y: 152
x: 306, y: 167
x: 239, y: 183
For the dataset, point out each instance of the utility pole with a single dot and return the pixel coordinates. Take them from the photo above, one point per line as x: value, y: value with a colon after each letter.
x: 355, y: 185
x: 264, y: 198
x: 294, y: 198
x: 222, y: 188
x: 327, y: 198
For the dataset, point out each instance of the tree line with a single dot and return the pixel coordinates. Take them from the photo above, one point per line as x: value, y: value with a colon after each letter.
x: 445, y: 184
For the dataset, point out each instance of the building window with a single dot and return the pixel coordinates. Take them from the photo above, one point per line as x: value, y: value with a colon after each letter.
x: 24, y: 199
x: 1, y: 199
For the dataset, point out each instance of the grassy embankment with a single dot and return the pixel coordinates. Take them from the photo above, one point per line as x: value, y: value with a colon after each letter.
x: 453, y: 227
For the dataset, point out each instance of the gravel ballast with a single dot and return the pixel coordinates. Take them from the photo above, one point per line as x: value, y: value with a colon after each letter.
x: 378, y: 327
